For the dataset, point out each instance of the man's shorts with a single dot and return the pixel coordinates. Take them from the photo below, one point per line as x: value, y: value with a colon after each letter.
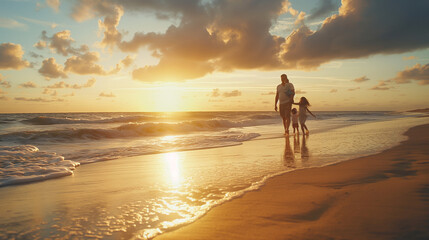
x: 285, y: 110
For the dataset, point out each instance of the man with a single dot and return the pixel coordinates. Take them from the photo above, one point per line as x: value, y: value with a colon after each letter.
x: 284, y: 95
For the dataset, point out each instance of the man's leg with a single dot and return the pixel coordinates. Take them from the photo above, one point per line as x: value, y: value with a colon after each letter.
x: 288, y: 108
x: 285, y: 124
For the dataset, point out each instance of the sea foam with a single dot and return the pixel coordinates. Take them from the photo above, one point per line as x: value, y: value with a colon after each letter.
x: 25, y: 163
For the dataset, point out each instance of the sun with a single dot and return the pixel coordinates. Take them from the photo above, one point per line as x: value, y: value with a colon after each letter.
x: 168, y: 98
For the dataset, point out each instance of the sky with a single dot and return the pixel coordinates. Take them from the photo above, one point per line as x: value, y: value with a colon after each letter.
x: 212, y: 55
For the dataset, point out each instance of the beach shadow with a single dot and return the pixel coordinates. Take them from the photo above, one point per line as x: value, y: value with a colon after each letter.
x: 288, y: 155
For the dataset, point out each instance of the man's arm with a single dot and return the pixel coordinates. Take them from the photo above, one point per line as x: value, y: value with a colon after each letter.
x: 275, y: 101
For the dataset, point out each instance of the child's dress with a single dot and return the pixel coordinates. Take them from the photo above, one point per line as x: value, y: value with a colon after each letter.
x: 302, y: 114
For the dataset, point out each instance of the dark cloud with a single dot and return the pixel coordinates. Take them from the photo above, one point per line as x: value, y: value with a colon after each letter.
x: 50, y: 69
x: 325, y: 9
x: 362, y: 28
x: 418, y: 72
x: 221, y: 35
x: 11, y: 56
x: 361, y: 79
x: 333, y: 90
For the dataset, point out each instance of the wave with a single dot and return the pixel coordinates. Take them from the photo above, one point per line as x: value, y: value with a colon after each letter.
x: 25, y: 163
x: 182, y: 143
x: 128, y: 130
x: 42, y: 120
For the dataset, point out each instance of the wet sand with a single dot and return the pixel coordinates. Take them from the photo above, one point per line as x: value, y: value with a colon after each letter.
x: 382, y: 196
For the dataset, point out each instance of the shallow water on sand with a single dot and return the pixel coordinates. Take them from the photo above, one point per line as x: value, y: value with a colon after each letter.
x: 146, y: 195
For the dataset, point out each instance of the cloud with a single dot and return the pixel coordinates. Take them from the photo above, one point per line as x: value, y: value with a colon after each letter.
x: 355, y: 33
x: 63, y: 84
x: 215, y: 92
x: 223, y: 35
x: 54, y: 4
x: 127, y: 61
x: 111, y: 35
x: 35, y: 55
x: 61, y: 43
x: 110, y: 95
x: 417, y: 72
x: 333, y: 90
x: 11, y: 23
x: 269, y: 93
x: 4, y: 83
x: 300, y: 92
x: 172, y: 70
x: 353, y: 89
x: 11, y: 56
x: 69, y: 95
x: 361, y: 79
x: 50, y: 69
x: 325, y: 8
x: 4, y: 98
x: 234, y: 93
x: 409, y: 58
x: 39, y: 22
x: 85, y: 64
x: 28, y: 85
x: 38, y: 99
x: 382, y: 85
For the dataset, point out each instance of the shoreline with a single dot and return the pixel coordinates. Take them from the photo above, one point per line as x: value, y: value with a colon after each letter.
x: 379, y: 196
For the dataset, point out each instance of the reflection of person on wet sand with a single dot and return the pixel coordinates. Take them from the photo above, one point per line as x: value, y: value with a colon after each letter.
x: 305, y: 155
x: 288, y: 155
x: 296, y: 145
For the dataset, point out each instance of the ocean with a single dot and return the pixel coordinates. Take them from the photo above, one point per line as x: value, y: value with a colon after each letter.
x: 176, y: 185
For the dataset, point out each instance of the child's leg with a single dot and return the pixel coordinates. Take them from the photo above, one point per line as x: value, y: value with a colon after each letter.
x: 305, y: 126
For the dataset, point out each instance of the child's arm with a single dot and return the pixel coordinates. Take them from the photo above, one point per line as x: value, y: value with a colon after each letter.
x: 311, y: 113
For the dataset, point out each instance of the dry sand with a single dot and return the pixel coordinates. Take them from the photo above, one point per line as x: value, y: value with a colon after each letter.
x: 383, y: 196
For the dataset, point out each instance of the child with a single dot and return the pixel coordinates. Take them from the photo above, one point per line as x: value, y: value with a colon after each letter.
x: 303, y: 108
x: 295, y: 121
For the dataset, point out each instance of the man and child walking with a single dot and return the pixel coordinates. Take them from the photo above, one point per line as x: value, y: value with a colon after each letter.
x: 284, y: 96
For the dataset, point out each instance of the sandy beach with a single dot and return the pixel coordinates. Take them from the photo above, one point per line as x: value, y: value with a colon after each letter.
x: 383, y: 196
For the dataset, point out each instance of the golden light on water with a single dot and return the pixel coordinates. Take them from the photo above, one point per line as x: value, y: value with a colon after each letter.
x: 172, y: 161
